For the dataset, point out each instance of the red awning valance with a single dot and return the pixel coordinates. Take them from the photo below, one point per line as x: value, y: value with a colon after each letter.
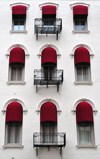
x: 19, y: 9
x: 49, y: 9
x: 14, y: 112
x: 84, y: 112
x: 48, y: 112
x: 17, y: 54
x: 80, y: 10
x: 81, y: 55
x: 49, y: 55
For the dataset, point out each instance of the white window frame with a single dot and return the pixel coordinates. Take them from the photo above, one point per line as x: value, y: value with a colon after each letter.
x: 92, y: 144
x: 86, y: 25
x: 16, y: 82
x: 6, y: 144
x: 89, y: 75
x: 18, y: 31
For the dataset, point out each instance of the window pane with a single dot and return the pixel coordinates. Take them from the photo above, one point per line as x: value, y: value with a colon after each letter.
x: 21, y: 26
x: 77, y: 26
x: 17, y: 134
x: 10, y: 134
x: 15, y: 25
x: 13, y: 73
x: 88, y: 134
x: 19, y: 73
x: 82, y: 27
x: 81, y: 135
x: 79, y: 73
x: 85, y: 73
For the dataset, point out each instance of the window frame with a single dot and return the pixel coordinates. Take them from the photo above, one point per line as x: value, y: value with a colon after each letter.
x: 92, y: 144
x: 23, y: 75
x: 89, y: 81
x: 18, y: 31
x: 15, y: 145
x: 86, y: 25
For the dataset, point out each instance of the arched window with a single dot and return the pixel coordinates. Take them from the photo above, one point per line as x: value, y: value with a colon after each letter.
x: 13, y: 129
x: 16, y: 65
x: 82, y: 65
x: 48, y: 119
x: 85, y: 124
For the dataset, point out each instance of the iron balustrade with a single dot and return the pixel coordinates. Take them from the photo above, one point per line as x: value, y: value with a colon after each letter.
x: 48, y: 26
x: 49, y: 139
x: 48, y: 77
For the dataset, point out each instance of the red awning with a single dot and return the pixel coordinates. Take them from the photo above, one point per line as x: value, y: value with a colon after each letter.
x: 17, y: 54
x: 81, y: 55
x: 84, y: 112
x: 80, y: 10
x: 14, y: 112
x: 49, y: 55
x: 48, y: 112
x: 49, y: 9
x: 19, y: 9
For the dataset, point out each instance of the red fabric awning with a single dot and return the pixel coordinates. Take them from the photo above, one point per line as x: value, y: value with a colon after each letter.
x: 49, y: 9
x: 14, y: 112
x: 49, y: 55
x: 80, y: 10
x: 84, y: 112
x: 17, y: 54
x: 48, y: 112
x: 19, y: 9
x: 81, y: 55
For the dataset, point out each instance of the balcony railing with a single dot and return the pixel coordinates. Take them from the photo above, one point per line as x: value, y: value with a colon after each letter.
x: 49, y: 139
x: 48, y: 26
x: 45, y: 77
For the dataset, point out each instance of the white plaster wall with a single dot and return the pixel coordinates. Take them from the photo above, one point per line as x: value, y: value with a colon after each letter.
x: 68, y: 94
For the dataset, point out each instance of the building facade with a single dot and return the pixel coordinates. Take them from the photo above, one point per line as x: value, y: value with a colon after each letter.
x: 49, y: 81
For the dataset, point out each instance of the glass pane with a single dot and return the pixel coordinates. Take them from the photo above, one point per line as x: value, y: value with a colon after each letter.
x: 10, y: 134
x: 77, y: 26
x: 88, y: 134
x: 79, y: 73
x: 85, y: 73
x: 13, y: 73
x: 19, y: 73
x: 15, y: 25
x: 82, y: 27
x: 17, y: 134
x: 81, y: 135
x: 21, y: 26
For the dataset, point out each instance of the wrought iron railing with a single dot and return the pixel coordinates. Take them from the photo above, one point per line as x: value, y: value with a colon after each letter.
x: 45, y: 77
x: 48, y: 26
x: 49, y: 139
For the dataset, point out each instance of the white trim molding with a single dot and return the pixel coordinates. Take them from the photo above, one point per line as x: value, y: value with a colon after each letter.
x: 24, y: 4
x: 48, y: 99
x: 79, y: 3
x: 17, y: 45
x: 84, y: 100
x: 49, y: 3
x: 48, y: 45
x: 25, y: 110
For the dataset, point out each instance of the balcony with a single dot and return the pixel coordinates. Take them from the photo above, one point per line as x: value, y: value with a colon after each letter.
x: 49, y: 139
x: 45, y: 77
x: 48, y: 26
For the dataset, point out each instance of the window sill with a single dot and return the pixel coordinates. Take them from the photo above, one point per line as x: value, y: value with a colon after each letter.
x: 83, y: 83
x: 12, y: 31
x: 13, y: 146
x: 86, y: 146
x: 16, y: 83
x: 83, y: 32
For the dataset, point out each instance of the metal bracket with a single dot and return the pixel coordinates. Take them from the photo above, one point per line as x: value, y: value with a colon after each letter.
x: 37, y: 151
x: 61, y: 151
